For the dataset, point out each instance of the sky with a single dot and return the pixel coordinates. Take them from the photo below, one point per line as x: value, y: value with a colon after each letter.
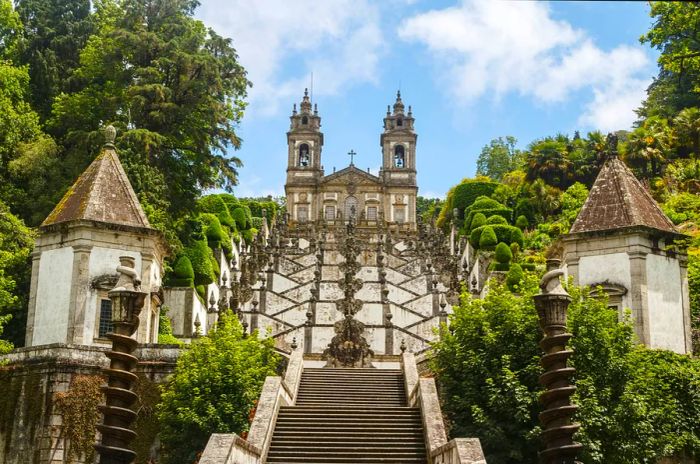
x: 473, y: 70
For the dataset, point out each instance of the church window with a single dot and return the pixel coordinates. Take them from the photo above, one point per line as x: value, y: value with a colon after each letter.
x: 399, y: 156
x: 304, y: 120
x: 371, y: 213
x: 350, y: 207
x: 304, y: 158
x: 105, y: 325
x: 399, y: 122
x: 330, y: 212
x: 400, y: 215
x: 302, y: 214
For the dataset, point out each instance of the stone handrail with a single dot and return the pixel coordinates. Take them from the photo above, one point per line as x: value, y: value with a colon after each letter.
x: 276, y: 392
x: 422, y: 393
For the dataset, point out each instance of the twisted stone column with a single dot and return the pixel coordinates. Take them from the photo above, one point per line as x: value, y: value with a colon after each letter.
x: 127, y: 302
x: 557, y: 410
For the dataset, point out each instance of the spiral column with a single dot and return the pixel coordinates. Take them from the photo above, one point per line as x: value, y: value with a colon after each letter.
x: 127, y: 303
x: 557, y: 410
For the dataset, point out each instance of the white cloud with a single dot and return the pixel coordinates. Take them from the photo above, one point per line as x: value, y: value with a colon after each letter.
x: 340, y: 41
x: 494, y: 48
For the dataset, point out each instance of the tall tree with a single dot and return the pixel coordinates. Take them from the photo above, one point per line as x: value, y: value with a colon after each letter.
x: 648, y: 146
x: 548, y: 159
x: 55, y: 31
x: 174, y: 89
x: 498, y: 158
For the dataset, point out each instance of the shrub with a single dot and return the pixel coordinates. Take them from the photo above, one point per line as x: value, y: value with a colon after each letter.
x: 201, y: 256
x: 487, y: 239
x: 165, y: 329
x: 522, y: 222
x: 183, y: 273
x: 477, y: 221
x: 495, y: 220
x: 503, y: 233
x: 257, y: 222
x: 248, y: 235
x: 503, y: 253
x: 202, y: 292
x: 216, y: 235
x: 231, y: 202
x: 466, y: 193
x: 515, y: 249
x: 516, y: 236
x: 240, y: 217
x: 214, y: 204
x: 514, y: 277
x: 488, y: 207
x: 213, y: 388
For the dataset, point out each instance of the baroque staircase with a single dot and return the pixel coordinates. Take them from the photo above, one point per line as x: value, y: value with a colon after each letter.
x: 349, y: 415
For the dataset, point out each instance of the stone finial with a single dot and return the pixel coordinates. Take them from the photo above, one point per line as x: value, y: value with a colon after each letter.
x: 110, y: 136
x: 611, y: 142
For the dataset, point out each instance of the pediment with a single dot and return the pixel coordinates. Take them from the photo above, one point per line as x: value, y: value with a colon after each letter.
x: 351, y: 175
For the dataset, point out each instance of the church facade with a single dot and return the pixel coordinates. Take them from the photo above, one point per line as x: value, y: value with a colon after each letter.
x: 389, y: 196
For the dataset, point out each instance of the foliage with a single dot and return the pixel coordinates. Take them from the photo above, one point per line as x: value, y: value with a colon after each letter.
x: 521, y: 222
x: 428, y: 208
x: 256, y: 206
x: 240, y: 217
x: 16, y: 243
x: 498, y: 158
x: 572, y: 200
x: 200, y: 256
x: 78, y: 407
x: 503, y: 232
x: 488, y: 207
x: 503, y: 257
x: 477, y: 221
x: 496, y: 220
x: 215, y: 384
x: 165, y: 329
x: 487, y: 238
x: 214, y: 204
x: 517, y: 237
x: 183, y: 273
x: 514, y: 277
x: 462, y: 196
x: 694, y: 290
x: 635, y: 405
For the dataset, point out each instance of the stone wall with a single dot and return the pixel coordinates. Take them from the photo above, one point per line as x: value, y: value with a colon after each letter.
x: 31, y: 426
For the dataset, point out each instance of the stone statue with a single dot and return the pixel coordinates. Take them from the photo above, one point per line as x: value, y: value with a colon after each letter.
x: 550, y: 284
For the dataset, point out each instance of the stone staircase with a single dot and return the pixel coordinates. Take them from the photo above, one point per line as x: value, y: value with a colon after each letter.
x: 349, y: 416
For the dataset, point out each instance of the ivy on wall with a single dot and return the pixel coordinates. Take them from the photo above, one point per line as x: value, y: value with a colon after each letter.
x: 78, y: 407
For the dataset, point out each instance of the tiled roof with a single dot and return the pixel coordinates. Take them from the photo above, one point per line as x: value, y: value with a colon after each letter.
x: 101, y: 193
x: 618, y: 200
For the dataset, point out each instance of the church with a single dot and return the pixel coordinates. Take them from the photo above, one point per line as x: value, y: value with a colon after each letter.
x: 351, y: 192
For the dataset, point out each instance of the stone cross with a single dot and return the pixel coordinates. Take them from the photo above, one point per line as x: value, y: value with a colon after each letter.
x: 352, y: 154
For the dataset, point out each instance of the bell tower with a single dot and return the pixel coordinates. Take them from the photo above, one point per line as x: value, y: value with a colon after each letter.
x: 305, y: 142
x: 398, y: 140
x: 304, y: 169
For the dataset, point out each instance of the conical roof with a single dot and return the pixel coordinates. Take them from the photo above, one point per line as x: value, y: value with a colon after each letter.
x: 102, y: 193
x: 618, y: 200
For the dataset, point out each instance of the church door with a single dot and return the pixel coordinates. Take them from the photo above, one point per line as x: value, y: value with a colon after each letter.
x: 350, y: 208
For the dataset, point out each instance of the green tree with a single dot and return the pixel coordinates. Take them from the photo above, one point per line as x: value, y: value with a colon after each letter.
x: 54, y: 34
x: 687, y: 128
x: 16, y: 243
x: 648, y: 146
x: 213, y: 388
x: 498, y: 158
x: 487, y: 239
x: 636, y: 405
x: 174, y: 89
x: 548, y: 159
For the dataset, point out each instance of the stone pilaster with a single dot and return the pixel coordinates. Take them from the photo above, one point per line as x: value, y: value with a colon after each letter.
x: 31, y: 313
x: 639, y: 296
x: 80, y: 291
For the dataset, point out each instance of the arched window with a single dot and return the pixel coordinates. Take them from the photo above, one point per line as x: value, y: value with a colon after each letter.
x: 399, y: 157
x: 304, y: 120
x: 304, y: 158
x: 350, y: 208
x: 399, y: 122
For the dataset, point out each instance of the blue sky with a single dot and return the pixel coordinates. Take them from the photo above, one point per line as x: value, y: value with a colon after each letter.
x: 472, y: 70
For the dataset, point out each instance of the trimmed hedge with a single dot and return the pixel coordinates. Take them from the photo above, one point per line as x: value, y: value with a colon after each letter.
x: 183, y: 273
x: 257, y: 222
x: 503, y: 232
x: 522, y: 222
x: 466, y: 193
x: 503, y: 253
x: 240, y: 217
x: 201, y: 256
x: 487, y: 238
x: 488, y: 207
x: 514, y: 277
x: 517, y: 236
x: 214, y: 204
x: 494, y: 220
x: 477, y: 221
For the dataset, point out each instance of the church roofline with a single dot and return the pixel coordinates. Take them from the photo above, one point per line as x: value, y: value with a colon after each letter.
x: 351, y: 168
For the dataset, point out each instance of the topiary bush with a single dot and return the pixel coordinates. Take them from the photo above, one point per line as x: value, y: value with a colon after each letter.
x: 257, y: 222
x: 462, y: 196
x: 516, y: 236
x: 522, y: 222
x: 488, y: 207
x: 514, y: 277
x: 183, y: 273
x: 201, y: 257
x: 487, y: 238
x: 495, y: 220
x: 216, y: 235
x: 477, y: 221
x: 503, y: 233
x: 214, y: 204
x: 503, y: 257
x: 240, y: 217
